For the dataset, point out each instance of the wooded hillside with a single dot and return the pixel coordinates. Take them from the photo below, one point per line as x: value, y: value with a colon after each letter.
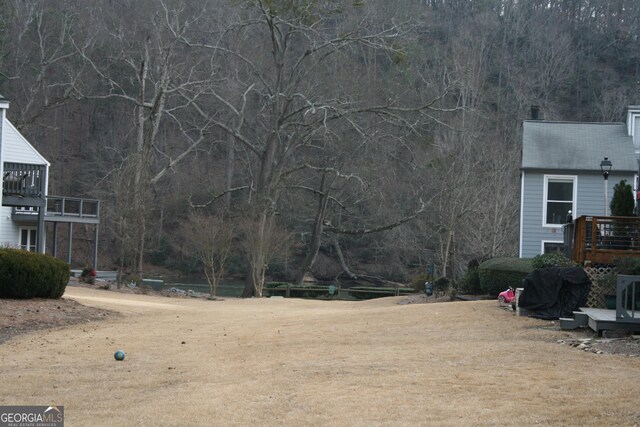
x: 337, y: 137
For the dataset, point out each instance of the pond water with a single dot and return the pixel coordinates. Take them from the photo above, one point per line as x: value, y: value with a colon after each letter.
x: 231, y: 288
x: 228, y: 288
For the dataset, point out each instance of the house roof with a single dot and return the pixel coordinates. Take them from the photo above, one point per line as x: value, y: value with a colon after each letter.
x: 577, y: 146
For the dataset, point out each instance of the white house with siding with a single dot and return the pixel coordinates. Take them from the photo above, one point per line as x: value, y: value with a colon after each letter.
x: 25, y: 206
x: 561, y: 172
x: 23, y: 187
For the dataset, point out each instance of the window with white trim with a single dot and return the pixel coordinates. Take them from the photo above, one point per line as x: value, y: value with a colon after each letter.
x: 28, y: 239
x: 552, y: 247
x: 559, y: 199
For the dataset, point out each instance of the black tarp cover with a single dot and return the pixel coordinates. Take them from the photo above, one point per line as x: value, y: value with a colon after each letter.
x: 551, y: 293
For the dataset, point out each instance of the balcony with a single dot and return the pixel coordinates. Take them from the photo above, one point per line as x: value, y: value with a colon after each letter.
x: 23, y: 184
x: 62, y: 209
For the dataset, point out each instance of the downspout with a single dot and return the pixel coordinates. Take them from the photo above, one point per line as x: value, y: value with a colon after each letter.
x: 4, y: 104
x: 41, y: 211
x: 638, y: 184
x: 521, y: 210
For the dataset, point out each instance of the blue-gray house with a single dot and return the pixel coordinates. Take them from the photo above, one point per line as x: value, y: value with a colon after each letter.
x: 561, y: 173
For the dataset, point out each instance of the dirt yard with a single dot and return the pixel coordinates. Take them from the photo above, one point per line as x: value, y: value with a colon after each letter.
x: 299, y: 362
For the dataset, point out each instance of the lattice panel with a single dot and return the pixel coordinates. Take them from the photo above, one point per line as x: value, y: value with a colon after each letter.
x: 600, y: 287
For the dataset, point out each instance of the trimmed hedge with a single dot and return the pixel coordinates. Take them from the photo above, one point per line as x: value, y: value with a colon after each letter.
x: 498, y: 274
x: 31, y: 275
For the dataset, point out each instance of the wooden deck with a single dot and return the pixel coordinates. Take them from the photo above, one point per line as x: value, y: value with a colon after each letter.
x: 602, y: 239
x: 598, y: 319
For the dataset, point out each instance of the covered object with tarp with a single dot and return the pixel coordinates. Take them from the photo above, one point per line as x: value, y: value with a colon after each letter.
x: 551, y: 293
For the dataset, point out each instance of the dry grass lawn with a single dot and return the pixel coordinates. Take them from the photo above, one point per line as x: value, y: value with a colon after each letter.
x: 298, y: 362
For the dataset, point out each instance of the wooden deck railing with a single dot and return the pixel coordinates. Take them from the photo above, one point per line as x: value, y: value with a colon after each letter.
x: 601, y: 239
x: 23, y: 180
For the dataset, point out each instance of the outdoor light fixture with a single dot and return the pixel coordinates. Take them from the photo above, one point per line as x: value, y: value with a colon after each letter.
x: 605, y: 167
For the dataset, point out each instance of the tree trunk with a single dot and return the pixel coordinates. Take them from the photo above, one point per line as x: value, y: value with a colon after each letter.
x: 343, y: 262
x: 316, y: 235
x: 231, y: 154
x: 248, y: 290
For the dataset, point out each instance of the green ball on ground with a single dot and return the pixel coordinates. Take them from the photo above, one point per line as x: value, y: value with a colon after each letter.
x: 119, y: 355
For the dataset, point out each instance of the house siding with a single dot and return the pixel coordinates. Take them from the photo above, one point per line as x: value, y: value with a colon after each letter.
x: 636, y: 136
x: 9, y: 231
x: 5, y: 217
x: 14, y: 148
x: 589, y: 201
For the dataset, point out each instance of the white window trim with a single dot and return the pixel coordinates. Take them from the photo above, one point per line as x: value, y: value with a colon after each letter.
x: 574, y: 204
x: 35, y: 230
x: 548, y: 241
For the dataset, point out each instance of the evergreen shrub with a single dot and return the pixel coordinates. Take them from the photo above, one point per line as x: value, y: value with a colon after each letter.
x: 498, y: 274
x: 622, y: 203
x: 26, y: 274
x: 441, y: 286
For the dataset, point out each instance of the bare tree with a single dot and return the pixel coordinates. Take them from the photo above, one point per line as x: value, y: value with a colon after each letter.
x: 287, y: 108
x: 209, y: 239
x: 40, y: 63
x: 148, y: 72
x: 262, y: 242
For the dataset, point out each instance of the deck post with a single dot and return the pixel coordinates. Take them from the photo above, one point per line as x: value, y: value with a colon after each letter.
x: 55, y: 240
x: 69, y: 239
x: 594, y: 236
x: 95, y: 248
x: 41, y: 235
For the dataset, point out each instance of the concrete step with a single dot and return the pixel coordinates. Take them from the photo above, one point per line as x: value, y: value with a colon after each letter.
x: 578, y: 320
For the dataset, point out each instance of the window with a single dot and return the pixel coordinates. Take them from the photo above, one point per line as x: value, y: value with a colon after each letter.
x: 559, y: 199
x: 27, y: 210
x: 552, y: 247
x: 28, y: 239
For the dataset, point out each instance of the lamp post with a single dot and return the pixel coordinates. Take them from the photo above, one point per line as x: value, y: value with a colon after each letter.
x: 605, y: 167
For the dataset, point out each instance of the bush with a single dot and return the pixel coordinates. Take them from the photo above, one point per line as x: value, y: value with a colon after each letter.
x: 551, y: 260
x: 498, y: 274
x: 88, y: 275
x: 31, y: 275
x: 441, y: 286
x: 418, y: 282
x: 622, y: 203
x: 162, y: 252
x: 630, y: 266
x: 470, y: 282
